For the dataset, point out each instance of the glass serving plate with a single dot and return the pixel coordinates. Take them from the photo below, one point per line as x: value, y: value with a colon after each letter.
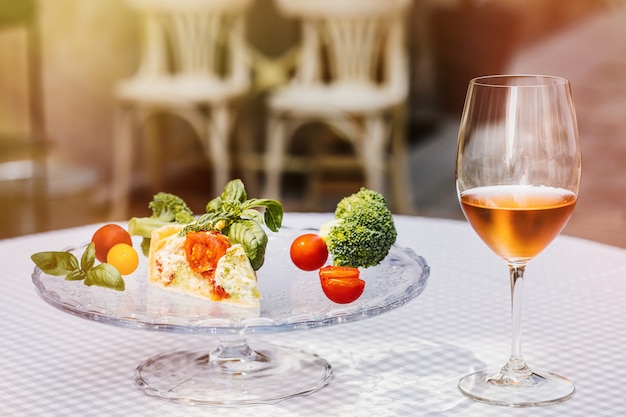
x: 233, y: 373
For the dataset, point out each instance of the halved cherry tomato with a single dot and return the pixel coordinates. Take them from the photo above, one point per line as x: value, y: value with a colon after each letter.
x: 341, y: 284
x: 309, y: 252
x: 108, y: 236
x: 204, y: 249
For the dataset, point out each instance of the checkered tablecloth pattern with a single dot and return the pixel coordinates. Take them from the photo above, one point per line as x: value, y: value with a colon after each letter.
x: 404, y: 362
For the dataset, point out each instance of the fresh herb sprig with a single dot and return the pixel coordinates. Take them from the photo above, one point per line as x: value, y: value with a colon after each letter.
x: 238, y: 218
x: 66, y: 264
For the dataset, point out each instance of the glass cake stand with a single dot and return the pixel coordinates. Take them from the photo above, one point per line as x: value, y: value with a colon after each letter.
x: 232, y: 373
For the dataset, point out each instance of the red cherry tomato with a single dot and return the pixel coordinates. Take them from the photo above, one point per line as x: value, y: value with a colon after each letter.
x: 341, y: 284
x: 108, y: 236
x: 309, y: 252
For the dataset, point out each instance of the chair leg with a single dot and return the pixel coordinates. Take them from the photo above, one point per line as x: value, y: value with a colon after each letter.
x: 122, y: 164
x: 41, y: 190
x: 246, y: 158
x: 152, y: 127
x: 373, y: 152
x: 217, y: 144
x: 377, y: 130
x: 399, y: 165
x: 274, y: 158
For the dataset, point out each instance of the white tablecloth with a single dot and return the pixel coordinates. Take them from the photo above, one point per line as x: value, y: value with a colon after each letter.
x: 404, y: 362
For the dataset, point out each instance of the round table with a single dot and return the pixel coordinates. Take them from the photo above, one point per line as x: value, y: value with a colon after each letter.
x: 404, y: 362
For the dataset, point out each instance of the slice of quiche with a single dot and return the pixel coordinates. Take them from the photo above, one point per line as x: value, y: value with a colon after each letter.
x: 202, y: 264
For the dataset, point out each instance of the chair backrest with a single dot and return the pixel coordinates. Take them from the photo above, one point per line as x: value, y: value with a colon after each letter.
x: 351, y: 41
x: 194, y: 38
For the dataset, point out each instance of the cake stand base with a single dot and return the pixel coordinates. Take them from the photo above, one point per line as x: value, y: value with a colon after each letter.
x: 233, y: 375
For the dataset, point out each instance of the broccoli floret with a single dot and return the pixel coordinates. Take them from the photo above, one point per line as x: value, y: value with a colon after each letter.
x: 166, y: 209
x: 362, y: 232
x: 170, y: 208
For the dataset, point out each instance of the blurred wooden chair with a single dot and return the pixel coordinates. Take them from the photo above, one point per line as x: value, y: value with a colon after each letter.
x: 23, y: 145
x: 193, y: 65
x: 351, y: 75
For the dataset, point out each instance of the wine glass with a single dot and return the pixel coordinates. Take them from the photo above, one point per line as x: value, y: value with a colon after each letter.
x: 518, y: 169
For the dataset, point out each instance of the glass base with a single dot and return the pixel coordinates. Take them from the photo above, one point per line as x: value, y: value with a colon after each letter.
x: 233, y: 375
x: 535, y: 389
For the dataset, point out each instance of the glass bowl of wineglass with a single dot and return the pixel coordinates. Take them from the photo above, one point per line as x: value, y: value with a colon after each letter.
x: 518, y: 170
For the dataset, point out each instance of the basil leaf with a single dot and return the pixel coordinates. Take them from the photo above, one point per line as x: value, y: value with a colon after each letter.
x: 273, y: 215
x: 105, y: 275
x: 273, y: 212
x: 55, y: 263
x: 76, y: 275
x: 252, y: 214
x: 252, y: 237
x: 89, y: 257
x: 213, y: 205
x: 235, y: 190
x: 239, y: 219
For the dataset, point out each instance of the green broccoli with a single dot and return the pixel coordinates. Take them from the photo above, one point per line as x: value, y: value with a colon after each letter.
x: 362, y: 232
x: 170, y: 208
x: 166, y: 209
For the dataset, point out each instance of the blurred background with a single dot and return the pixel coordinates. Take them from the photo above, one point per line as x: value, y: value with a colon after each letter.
x: 84, y: 49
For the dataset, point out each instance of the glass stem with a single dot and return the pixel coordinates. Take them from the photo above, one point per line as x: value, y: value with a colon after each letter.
x: 234, y: 356
x: 232, y: 350
x: 516, y: 368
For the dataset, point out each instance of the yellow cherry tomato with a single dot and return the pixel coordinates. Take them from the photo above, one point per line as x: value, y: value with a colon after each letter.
x: 124, y: 258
